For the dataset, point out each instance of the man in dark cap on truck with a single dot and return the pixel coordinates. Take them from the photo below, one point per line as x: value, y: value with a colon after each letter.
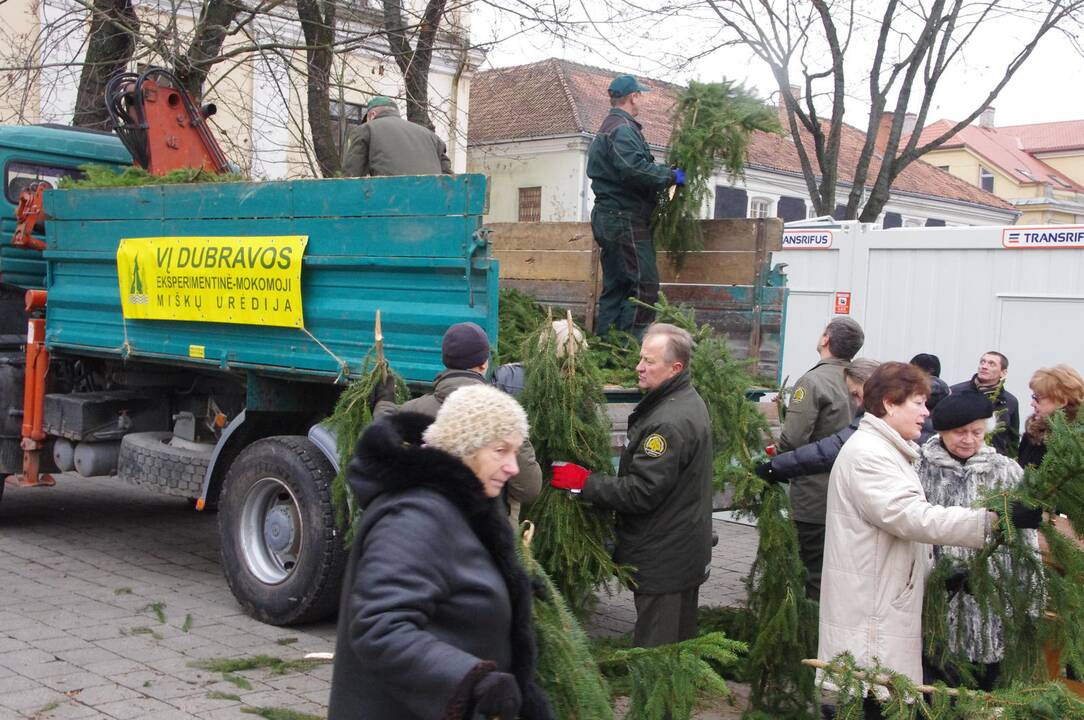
x: 386, y: 144
x: 626, y: 182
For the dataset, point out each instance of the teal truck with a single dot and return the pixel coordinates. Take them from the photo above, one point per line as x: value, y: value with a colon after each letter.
x: 190, y: 338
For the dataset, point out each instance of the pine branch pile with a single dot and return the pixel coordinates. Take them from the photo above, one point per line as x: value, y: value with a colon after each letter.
x: 107, y: 176
x: 566, y: 669
x: 713, y: 122
x: 349, y: 418
x: 519, y: 317
x: 616, y: 356
x: 669, y: 681
x: 563, y: 399
x: 907, y: 701
x: 785, y: 619
x: 1011, y: 583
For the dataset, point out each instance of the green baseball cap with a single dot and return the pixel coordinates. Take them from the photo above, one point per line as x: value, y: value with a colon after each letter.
x: 379, y: 101
x: 625, y: 85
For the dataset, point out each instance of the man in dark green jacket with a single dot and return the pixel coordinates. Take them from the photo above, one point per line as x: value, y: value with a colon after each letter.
x: 819, y: 406
x: 662, y: 492
x: 626, y: 182
x: 385, y: 144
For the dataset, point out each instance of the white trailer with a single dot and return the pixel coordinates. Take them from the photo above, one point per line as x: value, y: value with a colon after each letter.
x: 955, y: 292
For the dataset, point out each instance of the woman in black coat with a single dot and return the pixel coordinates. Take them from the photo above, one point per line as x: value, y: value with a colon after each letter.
x: 435, y: 617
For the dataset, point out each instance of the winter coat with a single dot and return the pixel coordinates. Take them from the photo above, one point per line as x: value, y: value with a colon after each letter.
x: 390, y: 145
x: 948, y: 482
x: 816, y: 457
x: 1006, y: 435
x: 876, y: 555
x: 819, y: 406
x: 523, y: 487
x: 434, y: 596
x: 663, y: 490
x: 624, y: 175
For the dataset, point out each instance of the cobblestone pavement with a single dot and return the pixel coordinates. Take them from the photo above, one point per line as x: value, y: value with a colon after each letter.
x: 109, y: 593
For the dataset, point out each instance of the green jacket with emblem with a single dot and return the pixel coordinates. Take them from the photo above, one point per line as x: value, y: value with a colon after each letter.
x: 663, y: 491
x: 820, y: 406
x: 624, y: 174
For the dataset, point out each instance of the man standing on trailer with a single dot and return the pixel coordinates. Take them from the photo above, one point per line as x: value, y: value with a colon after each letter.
x: 626, y: 182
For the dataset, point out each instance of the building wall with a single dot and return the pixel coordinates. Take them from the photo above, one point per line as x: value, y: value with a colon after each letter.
x: 262, y: 120
x: 557, y: 165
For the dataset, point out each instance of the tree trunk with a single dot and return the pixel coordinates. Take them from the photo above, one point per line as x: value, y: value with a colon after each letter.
x: 216, y: 16
x: 318, y: 23
x: 110, y: 44
x: 414, y: 62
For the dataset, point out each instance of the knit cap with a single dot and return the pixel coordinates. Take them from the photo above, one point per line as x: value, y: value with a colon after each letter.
x: 961, y: 408
x: 465, y: 346
x: 474, y: 416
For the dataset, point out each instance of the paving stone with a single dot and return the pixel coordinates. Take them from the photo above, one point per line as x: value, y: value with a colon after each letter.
x: 31, y: 699
x: 137, y: 708
x: 78, y: 680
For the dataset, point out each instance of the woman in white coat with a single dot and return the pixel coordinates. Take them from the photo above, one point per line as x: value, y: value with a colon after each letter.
x: 879, y: 528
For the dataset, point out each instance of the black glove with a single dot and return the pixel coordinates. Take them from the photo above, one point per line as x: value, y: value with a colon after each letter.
x: 539, y: 589
x: 497, y: 695
x: 382, y: 390
x: 1024, y: 517
x: 765, y: 473
x: 957, y: 580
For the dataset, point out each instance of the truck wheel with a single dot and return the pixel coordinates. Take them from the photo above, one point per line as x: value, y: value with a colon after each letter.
x: 148, y: 460
x: 281, y: 549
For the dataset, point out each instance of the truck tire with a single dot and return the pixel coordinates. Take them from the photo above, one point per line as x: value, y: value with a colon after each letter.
x: 148, y: 460
x: 281, y: 550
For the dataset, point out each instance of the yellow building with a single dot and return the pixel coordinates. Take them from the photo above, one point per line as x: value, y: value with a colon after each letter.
x: 1039, y: 168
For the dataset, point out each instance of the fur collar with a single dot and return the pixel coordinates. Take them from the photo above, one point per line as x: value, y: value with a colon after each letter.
x: 390, y: 457
x: 934, y: 453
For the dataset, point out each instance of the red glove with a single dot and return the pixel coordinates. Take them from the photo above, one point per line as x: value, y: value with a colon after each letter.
x: 569, y: 476
x: 770, y: 451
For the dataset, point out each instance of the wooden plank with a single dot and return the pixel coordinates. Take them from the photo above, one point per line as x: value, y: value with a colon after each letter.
x: 711, y: 267
x: 742, y: 234
x: 545, y: 265
x: 541, y: 236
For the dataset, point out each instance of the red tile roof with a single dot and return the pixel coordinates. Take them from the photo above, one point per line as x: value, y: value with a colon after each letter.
x: 1005, y: 149
x: 561, y: 98
x: 1048, y: 137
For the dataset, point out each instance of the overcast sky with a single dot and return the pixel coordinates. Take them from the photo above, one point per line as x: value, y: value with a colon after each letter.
x: 1045, y: 89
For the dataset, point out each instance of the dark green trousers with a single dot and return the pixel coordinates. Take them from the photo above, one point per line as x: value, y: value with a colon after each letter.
x: 811, y: 550
x: 665, y: 619
x: 628, y: 271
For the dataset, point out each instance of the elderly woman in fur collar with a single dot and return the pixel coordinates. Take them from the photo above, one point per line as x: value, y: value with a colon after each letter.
x: 435, y: 617
x: 957, y: 469
x: 1052, y: 389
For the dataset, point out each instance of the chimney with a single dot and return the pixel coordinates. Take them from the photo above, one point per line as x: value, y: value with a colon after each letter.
x: 883, y: 128
x: 796, y: 93
x: 909, y: 122
x: 986, y: 120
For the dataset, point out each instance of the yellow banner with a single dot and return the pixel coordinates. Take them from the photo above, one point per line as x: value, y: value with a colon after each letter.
x: 243, y: 280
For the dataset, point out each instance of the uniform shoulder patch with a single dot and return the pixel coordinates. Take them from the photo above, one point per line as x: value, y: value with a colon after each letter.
x: 799, y: 395
x: 655, y: 445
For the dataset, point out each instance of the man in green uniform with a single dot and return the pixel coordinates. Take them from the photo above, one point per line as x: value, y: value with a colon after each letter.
x: 386, y: 144
x: 626, y: 182
x: 820, y: 406
x: 465, y: 352
x: 662, y: 491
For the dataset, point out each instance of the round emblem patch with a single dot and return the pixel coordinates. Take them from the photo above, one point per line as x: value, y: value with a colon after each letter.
x: 654, y: 445
x: 798, y: 395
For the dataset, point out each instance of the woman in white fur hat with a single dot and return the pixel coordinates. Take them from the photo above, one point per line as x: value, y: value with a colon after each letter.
x: 435, y: 617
